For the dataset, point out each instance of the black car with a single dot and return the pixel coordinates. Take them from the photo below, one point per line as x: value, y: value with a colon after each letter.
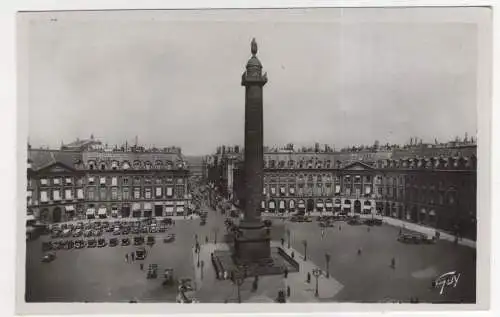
x: 144, y: 230
x: 125, y: 241
x: 46, y: 246
x: 140, y: 254
x: 113, y: 242
x: 91, y: 243
x: 138, y: 240
x: 79, y: 244
x: 101, y: 243
x: 71, y: 244
x: 150, y: 240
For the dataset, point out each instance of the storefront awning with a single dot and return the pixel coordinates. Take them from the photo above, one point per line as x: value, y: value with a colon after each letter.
x: 367, y: 207
x: 90, y: 211
x: 136, y: 206
x: 70, y: 208
x: 319, y: 205
x: 302, y: 206
x: 30, y: 217
x: 180, y: 209
x: 432, y: 213
x: 170, y: 203
x: 329, y: 205
x: 180, y: 203
x: 272, y: 205
x: 102, y: 211
x: 282, y: 204
x: 147, y: 206
x: 169, y: 209
x: 422, y: 211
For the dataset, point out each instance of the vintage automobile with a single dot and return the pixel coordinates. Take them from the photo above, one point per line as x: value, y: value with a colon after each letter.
x: 55, y: 234
x: 49, y: 257
x: 113, y: 242
x: 79, y: 244
x: 416, y: 238
x: 144, y: 229
x: 373, y: 222
x: 101, y: 242
x: 97, y: 233
x: 169, y: 238
x: 203, y: 222
x: 139, y: 240
x: 140, y: 254
x: 77, y: 233
x: 70, y: 244
x: 135, y: 230
x: 125, y: 241
x: 268, y: 223
x: 116, y: 231
x: 87, y: 233
x: 150, y: 240
x: 91, y: 243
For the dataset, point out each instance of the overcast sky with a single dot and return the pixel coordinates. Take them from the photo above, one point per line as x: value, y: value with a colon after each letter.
x: 341, y: 77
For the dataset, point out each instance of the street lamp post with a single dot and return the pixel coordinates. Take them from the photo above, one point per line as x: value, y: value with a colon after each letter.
x: 316, y: 273
x: 288, y: 234
x: 327, y: 258
x: 304, y: 242
x: 239, y: 278
x: 202, y: 265
x: 216, y: 230
x: 198, y: 262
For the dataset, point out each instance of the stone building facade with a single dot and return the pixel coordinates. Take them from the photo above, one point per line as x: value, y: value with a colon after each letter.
x: 66, y: 185
x: 434, y: 191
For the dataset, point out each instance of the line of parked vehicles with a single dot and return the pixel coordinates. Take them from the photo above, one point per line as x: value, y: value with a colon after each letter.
x: 98, y: 228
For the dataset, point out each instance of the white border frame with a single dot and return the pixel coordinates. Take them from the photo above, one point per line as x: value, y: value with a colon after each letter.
x: 8, y: 27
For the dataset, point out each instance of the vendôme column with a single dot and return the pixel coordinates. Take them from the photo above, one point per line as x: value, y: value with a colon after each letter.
x: 253, y: 242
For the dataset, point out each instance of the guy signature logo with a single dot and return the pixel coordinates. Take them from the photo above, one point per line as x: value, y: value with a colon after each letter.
x: 447, y: 279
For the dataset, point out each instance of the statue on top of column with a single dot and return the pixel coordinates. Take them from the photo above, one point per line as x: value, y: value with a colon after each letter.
x: 254, y: 47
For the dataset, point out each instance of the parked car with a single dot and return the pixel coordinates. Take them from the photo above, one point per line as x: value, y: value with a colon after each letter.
x: 416, y: 238
x: 150, y: 240
x: 113, y: 242
x: 101, y: 243
x: 87, y: 233
x: 373, y: 222
x: 46, y: 246
x: 70, y: 245
x: 91, y: 243
x: 77, y: 233
x: 139, y: 240
x: 49, y: 257
x: 116, y: 231
x: 125, y: 241
x: 79, y: 244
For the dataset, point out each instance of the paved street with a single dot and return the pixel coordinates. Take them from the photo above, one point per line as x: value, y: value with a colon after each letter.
x: 103, y: 275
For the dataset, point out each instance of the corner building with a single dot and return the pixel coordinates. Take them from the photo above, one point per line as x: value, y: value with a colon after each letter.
x: 65, y: 185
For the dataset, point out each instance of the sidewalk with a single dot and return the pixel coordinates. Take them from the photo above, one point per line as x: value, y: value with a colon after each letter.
x: 301, y: 291
x: 428, y: 230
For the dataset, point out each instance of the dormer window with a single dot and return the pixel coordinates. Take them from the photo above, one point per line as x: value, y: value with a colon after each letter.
x: 126, y: 165
x: 103, y: 166
x: 114, y: 165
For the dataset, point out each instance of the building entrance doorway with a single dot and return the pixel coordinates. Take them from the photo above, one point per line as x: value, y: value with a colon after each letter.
x: 158, y: 211
x: 56, y: 214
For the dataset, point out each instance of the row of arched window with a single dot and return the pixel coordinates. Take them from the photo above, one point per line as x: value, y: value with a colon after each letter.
x: 436, y: 163
x: 431, y: 163
x: 127, y: 165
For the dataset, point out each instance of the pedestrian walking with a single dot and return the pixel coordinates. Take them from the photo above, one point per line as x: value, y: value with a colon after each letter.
x: 322, y: 233
x: 286, y: 272
x: 206, y: 239
x: 142, y: 266
x: 288, y: 291
x: 368, y: 229
x: 293, y: 255
x: 282, y: 242
x: 133, y: 256
x: 359, y: 251
x: 393, y: 263
x: 340, y: 228
x: 308, y: 277
x: 126, y: 257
